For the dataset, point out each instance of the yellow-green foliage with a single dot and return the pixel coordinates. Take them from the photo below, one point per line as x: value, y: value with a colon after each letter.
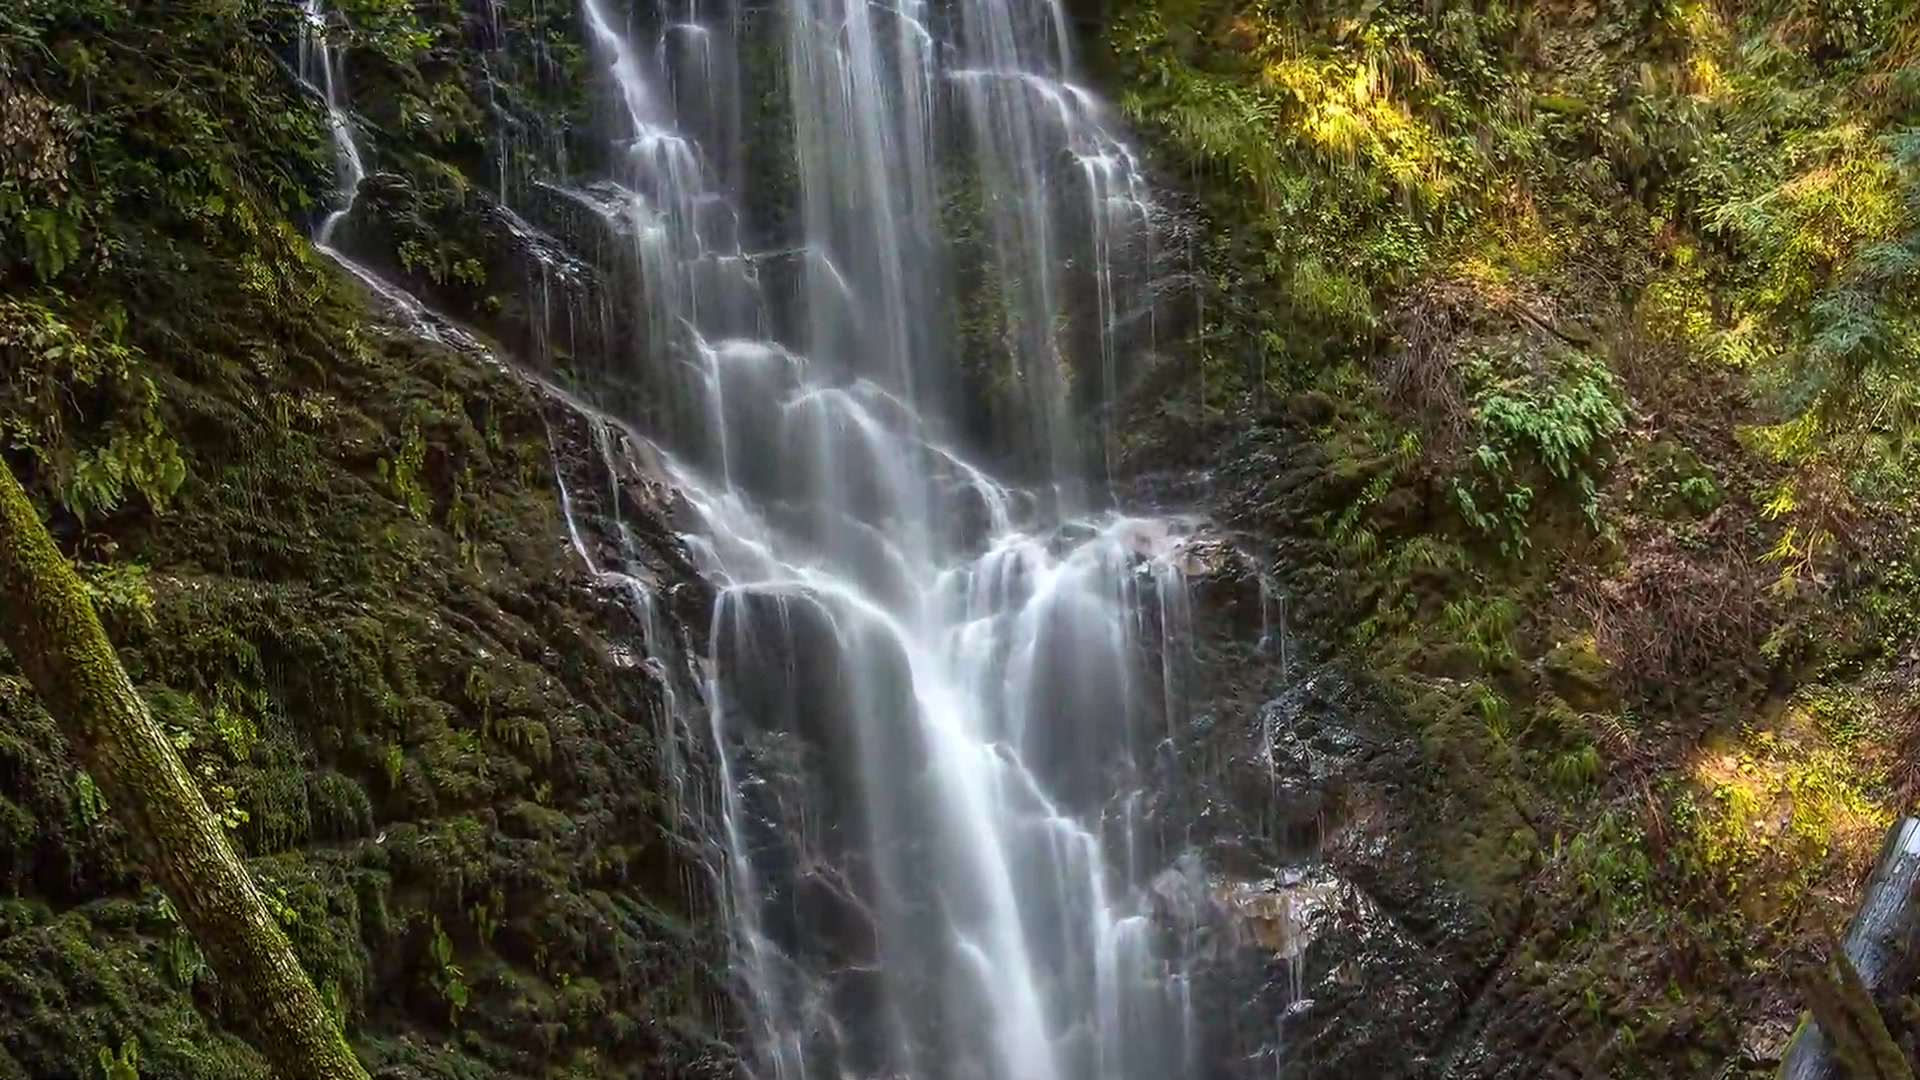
x: 1676, y: 307
x: 1535, y: 264
x: 1820, y: 303
x: 1349, y: 145
x: 1511, y: 246
x: 121, y: 1065
x: 1842, y: 193
x: 1780, y: 807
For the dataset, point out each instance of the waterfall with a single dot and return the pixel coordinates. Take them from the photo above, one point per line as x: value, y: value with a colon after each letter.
x: 926, y: 687
x: 930, y: 691
x: 320, y: 69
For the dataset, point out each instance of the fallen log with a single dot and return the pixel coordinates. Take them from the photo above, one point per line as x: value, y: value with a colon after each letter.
x: 1844, y: 1037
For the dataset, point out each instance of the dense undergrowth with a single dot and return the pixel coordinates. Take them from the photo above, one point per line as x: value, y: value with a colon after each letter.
x: 332, y: 559
x: 1602, y: 320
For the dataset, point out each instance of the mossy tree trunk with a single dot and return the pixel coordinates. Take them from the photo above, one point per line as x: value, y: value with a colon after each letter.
x: 1853, y: 1032
x: 1845, y: 1036
x: 49, y: 625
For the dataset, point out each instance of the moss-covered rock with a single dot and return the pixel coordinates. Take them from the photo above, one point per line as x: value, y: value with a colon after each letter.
x: 333, y: 561
x: 1514, y: 360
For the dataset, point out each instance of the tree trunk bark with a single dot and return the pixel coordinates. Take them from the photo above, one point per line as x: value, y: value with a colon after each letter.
x: 50, y: 627
x: 1846, y: 1038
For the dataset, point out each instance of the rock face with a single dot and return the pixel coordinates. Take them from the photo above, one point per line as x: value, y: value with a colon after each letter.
x: 1300, y: 969
x: 1287, y: 807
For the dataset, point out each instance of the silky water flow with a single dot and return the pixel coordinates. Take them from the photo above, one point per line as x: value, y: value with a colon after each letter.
x: 930, y: 693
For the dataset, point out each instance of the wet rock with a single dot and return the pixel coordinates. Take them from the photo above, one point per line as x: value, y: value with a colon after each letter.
x: 1071, y: 535
x: 1321, y: 947
x: 1372, y: 1000
x: 825, y: 904
x: 1257, y: 789
x: 1300, y: 974
x: 970, y: 521
x: 1314, y: 755
x: 621, y: 520
x: 792, y: 661
x: 1228, y: 590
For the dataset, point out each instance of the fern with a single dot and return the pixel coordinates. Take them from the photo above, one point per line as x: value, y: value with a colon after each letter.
x: 1558, y: 421
x: 1575, y: 770
x: 124, y: 1065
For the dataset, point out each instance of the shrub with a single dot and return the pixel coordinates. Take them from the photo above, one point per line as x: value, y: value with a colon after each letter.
x: 1555, y: 422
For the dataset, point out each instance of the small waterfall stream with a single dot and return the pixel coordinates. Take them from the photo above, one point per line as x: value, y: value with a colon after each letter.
x: 321, y: 69
x: 930, y: 693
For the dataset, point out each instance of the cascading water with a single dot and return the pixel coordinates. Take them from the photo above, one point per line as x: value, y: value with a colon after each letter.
x: 954, y: 666
x: 320, y: 69
x: 929, y: 692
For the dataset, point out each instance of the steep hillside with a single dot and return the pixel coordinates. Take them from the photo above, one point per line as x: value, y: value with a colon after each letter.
x: 1563, y: 354
x: 333, y: 559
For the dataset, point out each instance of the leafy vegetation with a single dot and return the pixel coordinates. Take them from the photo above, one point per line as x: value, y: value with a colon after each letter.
x: 1600, y: 319
x: 304, y: 532
x: 1558, y: 422
x: 1601, y: 322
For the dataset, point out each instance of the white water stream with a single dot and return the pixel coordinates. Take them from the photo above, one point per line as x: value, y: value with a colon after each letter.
x: 929, y: 691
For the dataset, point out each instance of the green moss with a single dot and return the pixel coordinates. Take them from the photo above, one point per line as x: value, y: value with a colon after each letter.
x: 1579, y: 673
x: 73, y: 988
x: 339, y: 807
x: 1531, y: 282
x: 352, y: 519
